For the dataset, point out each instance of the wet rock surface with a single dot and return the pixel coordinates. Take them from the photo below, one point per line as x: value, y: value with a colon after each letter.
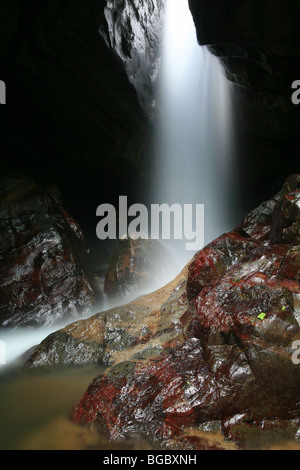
x: 234, y: 365
x: 44, y: 277
x: 132, y: 29
x: 210, y: 352
x: 138, y: 330
x: 137, y: 266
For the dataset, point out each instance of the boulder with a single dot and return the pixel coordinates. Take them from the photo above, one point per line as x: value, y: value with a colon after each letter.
x: 44, y: 277
x: 211, y: 352
x: 233, y: 364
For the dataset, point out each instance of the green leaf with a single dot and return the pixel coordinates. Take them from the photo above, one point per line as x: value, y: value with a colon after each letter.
x: 261, y: 316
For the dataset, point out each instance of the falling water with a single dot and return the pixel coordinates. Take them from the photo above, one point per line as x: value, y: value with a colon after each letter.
x: 194, y: 148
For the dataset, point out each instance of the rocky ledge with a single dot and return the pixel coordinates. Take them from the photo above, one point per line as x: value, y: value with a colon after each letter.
x: 210, y: 351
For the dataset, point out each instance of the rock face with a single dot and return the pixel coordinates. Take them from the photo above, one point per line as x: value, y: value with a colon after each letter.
x: 259, y: 49
x: 258, y: 44
x: 132, y: 29
x: 43, y: 273
x: 137, y: 266
x: 70, y: 102
x: 212, y: 349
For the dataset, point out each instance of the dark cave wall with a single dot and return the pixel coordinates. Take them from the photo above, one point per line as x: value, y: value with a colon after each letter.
x: 258, y: 44
x: 72, y: 117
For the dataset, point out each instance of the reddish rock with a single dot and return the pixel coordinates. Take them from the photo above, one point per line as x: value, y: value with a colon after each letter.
x: 43, y: 272
x: 137, y: 266
x: 286, y: 219
x: 235, y: 364
x: 210, y: 264
x: 159, y: 397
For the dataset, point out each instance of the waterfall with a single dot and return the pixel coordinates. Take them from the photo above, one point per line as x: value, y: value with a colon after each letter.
x: 194, y: 149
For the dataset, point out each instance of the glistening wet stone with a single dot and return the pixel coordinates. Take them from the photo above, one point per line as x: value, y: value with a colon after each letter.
x: 215, y: 345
